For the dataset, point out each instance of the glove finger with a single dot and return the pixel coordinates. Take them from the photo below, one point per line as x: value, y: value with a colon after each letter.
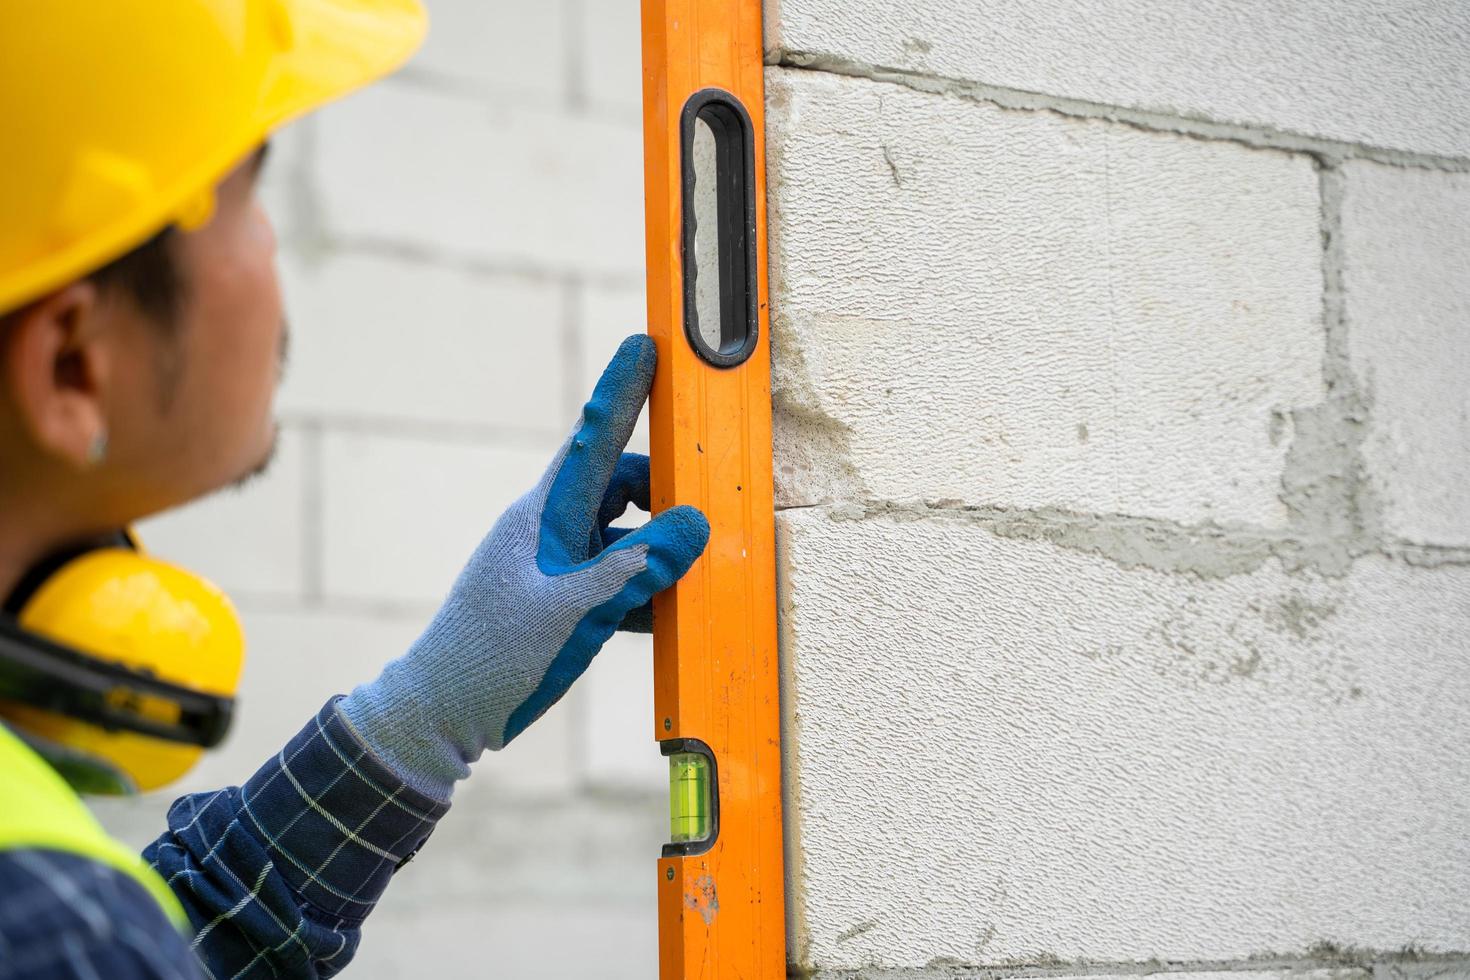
x: 593, y: 452
x: 638, y: 620
x: 629, y: 485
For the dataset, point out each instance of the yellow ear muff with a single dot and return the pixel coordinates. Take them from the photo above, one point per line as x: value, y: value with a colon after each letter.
x: 124, y: 607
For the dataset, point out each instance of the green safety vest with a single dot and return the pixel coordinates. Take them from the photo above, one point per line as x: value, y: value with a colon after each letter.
x: 38, y: 810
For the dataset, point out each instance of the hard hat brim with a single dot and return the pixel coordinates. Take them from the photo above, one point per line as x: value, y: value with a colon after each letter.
x: 341, y: 45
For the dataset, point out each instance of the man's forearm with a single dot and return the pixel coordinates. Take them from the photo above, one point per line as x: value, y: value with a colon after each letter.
x: 278, y: 875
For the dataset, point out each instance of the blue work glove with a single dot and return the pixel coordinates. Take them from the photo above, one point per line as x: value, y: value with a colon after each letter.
x: 540, y: 596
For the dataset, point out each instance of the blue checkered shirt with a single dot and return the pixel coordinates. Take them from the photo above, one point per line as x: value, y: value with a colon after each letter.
x: 277, y: 875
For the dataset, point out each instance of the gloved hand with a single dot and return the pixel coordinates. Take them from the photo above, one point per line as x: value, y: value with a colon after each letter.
x: 540, y: 596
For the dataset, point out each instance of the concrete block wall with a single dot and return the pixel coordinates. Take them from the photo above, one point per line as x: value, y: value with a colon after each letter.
x: 1122, y: 432
x: 462, y: 249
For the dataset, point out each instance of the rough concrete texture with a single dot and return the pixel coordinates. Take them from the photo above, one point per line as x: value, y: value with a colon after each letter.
x: 1406, y: 293
x: 1376, y: 72
x: 1006, y: 752
x: 1022, y: 309
x: 1298, y: 972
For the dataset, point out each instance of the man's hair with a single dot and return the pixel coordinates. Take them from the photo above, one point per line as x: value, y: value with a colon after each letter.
x: 149, y: 276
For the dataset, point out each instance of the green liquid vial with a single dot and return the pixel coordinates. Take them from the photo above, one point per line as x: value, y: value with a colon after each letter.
x: 690, y: 798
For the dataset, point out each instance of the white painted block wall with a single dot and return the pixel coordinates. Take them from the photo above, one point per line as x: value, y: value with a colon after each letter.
x: 462, y: 249
x: 1122, y: 434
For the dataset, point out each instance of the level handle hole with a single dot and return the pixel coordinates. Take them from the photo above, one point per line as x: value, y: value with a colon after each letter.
x: 720, y: 317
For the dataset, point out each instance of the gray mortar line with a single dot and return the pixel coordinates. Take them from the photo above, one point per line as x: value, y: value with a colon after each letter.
x: 449, y: 85
x: 434, y: 433
x: 1207, y: 550
x: 1329, y: 958
x: 578, y: 99
x: 501, y: 270
x: 574, y: 25
x: 1264, y: 137
x: 1132, y: 542
x: 365, y: 608
x: 1324, y: 484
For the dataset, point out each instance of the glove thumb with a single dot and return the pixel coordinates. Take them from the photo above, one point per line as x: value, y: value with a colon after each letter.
x: 674, y: 541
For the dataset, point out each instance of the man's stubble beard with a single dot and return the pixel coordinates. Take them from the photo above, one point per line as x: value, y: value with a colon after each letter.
x: 262, y: 467
x: 264, y: 464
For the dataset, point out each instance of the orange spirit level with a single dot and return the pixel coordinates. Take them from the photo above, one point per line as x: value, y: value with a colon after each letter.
x: 717, y: 718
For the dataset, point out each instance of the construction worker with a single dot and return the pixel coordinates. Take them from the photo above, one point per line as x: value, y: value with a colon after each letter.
x: 141, y: 334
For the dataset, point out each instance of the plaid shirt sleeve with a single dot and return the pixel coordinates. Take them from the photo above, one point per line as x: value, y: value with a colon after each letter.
x: 278, y: 875
x: 66, y: 916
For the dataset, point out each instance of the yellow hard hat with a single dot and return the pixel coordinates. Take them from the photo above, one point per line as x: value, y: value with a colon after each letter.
x: 119, y: 117
x: 123, y: 618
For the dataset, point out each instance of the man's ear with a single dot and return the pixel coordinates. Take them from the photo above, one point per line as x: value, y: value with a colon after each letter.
x: 56, y: 369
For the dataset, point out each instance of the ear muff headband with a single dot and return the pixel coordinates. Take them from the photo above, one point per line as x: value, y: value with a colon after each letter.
x: 48, y: 676
x: 37, y: 575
